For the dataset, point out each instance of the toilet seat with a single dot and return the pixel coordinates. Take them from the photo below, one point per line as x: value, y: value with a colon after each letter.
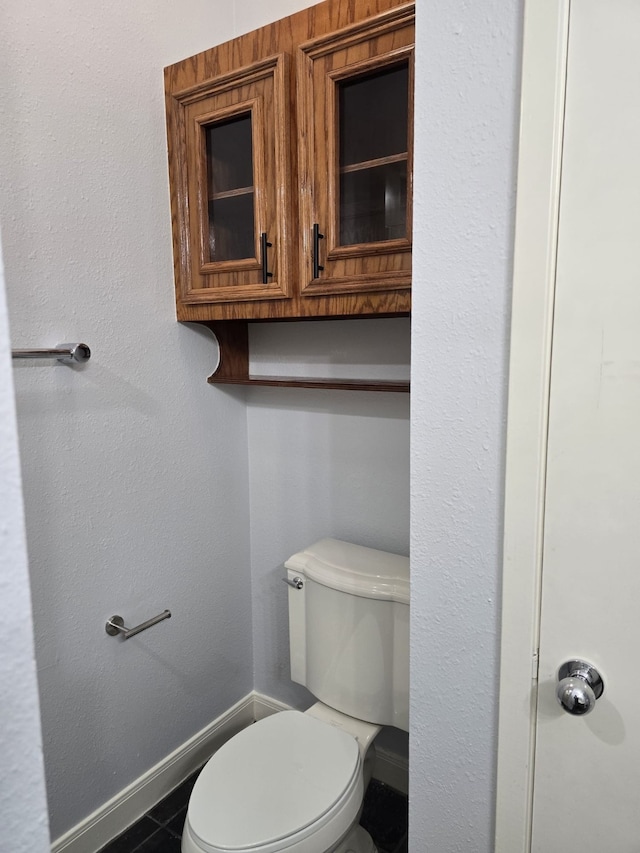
x: 289, y: 782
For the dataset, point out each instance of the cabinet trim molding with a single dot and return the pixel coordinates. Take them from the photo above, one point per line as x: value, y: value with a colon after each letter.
x: 188, y: 180
x: 258, y: 127
x: 375, y: 25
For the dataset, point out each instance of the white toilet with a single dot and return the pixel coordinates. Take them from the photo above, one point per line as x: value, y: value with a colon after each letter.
x: 295, y: 781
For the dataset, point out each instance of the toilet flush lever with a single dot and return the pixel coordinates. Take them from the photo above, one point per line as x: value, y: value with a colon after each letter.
x: 296, y: 583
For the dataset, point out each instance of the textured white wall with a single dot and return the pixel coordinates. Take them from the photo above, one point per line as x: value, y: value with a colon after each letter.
x: 23, y: 805
x: 135, y: 470
x: 467, y: 89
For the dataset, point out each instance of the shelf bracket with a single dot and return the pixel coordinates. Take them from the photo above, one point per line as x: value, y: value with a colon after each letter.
x: 233, y: 365
x: 233, y: 343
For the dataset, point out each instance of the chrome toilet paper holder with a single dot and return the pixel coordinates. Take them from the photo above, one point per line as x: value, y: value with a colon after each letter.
x: 116, y: 625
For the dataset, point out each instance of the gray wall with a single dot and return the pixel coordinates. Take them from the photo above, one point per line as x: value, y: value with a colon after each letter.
x: 135, y: 470
x: 136, y: 473
x: 467, y: 90
x: 322, y: 463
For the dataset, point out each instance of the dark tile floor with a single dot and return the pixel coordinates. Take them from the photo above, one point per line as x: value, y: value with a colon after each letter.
x: 384, y: 816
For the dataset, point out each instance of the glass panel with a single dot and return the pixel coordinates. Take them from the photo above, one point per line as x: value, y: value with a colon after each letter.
x: 373, y: 116
x: 373, y: 204
x: 230, y: 189
x: 231, y: 228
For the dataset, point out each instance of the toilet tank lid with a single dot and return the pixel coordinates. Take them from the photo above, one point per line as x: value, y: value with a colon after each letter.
x: 355, y: 569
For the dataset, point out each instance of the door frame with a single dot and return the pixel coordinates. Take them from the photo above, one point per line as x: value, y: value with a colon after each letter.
x: 546, y: 28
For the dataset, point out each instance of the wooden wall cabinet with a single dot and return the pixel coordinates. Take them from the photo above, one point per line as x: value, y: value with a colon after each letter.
x: 290, y: 165
x: 230, y: 138
x: 355, y: 122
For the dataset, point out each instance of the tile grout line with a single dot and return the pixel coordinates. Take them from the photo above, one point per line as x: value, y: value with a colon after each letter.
x: 144, y: 841
x: 397, y: 845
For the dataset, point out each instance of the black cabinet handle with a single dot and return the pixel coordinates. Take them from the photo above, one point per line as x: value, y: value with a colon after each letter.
x: 264, y: 245
x: 317, y: 236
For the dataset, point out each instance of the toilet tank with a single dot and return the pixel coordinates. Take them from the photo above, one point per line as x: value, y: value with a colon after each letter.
x: 349, y: 629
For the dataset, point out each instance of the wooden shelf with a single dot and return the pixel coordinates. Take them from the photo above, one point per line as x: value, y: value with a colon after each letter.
x: 231, y: 193
x: 233, y: 366
x: 304, y: 382
x: 374, y: 164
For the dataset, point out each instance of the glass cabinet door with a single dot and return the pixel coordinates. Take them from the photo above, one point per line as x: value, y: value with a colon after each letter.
x: 373, y: 125
x: 230, y: 190
x: 233, y: 213
x: 357, y: 121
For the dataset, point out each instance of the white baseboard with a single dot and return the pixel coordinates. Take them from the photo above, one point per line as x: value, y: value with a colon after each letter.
x: 264, y: 706
x: 111, y: 819
x: 392, y: 769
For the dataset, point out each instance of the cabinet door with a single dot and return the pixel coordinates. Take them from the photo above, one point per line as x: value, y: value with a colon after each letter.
x: 355, y: 101
x: 233, y: 186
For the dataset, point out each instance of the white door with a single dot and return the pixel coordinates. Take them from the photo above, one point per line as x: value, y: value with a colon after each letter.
x: 587, y: 767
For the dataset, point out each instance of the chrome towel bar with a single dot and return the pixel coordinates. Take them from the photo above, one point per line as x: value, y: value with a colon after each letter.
x: 66, y: 353
x: 116, y: 625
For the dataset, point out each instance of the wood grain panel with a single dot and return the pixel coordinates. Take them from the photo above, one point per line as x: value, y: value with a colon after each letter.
x: 288, y: 91
x: 366, y: 280
x: 261, y: 90
x: 233, y: 366
x: 382, y: 41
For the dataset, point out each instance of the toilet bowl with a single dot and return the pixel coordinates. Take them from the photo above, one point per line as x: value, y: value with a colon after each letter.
x: 290, y: 782
x: 294, y: 782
